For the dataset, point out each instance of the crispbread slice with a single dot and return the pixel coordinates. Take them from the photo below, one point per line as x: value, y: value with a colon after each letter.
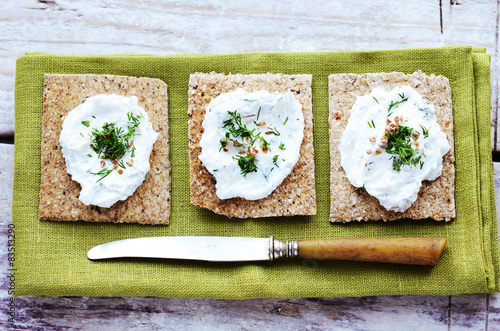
x: 296, y: 195
x: 150, y: 204
x: 436, y: 199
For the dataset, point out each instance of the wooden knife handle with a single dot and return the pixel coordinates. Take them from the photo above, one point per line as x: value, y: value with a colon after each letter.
x: 421, y: 251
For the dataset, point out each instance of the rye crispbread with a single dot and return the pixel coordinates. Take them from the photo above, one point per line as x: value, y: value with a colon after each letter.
x: 436, y: 199
x: 296, y: 195
x: 150, y: 204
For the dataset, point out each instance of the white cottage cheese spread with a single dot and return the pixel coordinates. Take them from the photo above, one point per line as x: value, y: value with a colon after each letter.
x: 392, y: 143
x: 106, y: 142
x: 251, y: 142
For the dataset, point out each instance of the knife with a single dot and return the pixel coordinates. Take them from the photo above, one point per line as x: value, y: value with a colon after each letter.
x: 419, y: 251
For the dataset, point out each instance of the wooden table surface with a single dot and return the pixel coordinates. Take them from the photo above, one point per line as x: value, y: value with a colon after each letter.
x: 177, y: 27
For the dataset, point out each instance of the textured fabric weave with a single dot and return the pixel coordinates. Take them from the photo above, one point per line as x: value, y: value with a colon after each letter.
x: 51, y: 256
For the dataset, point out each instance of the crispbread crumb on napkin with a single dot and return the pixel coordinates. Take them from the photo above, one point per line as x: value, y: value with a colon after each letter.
x: 296, y: 195
x: 150, y: 203
x: 436, y: 199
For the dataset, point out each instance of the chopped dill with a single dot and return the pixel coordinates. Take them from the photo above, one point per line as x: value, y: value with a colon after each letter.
x: 275, y: 160
x: 425, y: 131
x: 403, y: 99
x: 265, y: 145
x: 285, y: 121
x: 86, y: 123
x: 236, y: 128
x: 274, y: 131
x: 103, y: 173
x: 375, y: 99
x: 282, y: 146
x: 111, y: 142
x: 246, y: 163
x: 223, y: 144
x: 399, y: 145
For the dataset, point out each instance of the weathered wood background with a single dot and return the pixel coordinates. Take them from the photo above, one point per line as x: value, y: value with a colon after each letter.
x: 175, y: 27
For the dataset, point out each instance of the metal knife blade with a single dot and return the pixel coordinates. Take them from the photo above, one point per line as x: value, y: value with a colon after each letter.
x: 418, y: 251
x: 216, y: 249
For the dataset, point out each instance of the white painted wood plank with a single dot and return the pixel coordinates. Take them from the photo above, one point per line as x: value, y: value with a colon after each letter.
x: 367, y: 313
x: 476, y: 23
x: 470, y: 23
x: 468, y: 312
x: 494, y: 312
x: 6, y: 181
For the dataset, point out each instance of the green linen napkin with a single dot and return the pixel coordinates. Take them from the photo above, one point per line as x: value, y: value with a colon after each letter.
x: 51, y: 256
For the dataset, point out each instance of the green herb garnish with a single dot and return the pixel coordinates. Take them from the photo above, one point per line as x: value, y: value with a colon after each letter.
x: 285, y: 121
x: 375, y: 99
x: 223, y: 144
x: 275, y: 159
x: 134, y: 120
x: 371, y: 124
x: 282, y: 146
x: 425, y: 131
x: 246, y: 163
x: 403, y: 99
x: 103, y: 173
x: 86, y: 123
x: 264, y: 144
x: 274, y: 131
x: 236, y: 128
x: 399, y: 145
x: 112, y: 142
